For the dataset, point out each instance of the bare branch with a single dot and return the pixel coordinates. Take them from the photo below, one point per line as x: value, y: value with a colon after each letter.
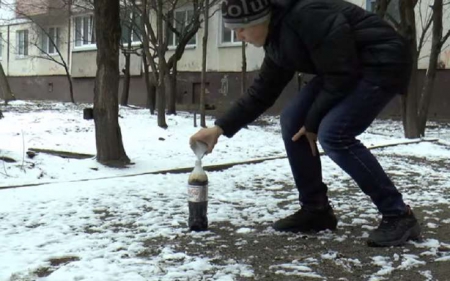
x: 423, y: 34
x: 445, y: 37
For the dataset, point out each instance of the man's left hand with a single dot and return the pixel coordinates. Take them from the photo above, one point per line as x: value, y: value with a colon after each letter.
x: 312, y: 139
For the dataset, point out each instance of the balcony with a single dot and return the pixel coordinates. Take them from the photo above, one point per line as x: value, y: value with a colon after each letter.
x: 33, y: 8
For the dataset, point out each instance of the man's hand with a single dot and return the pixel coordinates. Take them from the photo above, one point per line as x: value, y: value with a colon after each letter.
x: 312, y: 138
x: 209, y: 136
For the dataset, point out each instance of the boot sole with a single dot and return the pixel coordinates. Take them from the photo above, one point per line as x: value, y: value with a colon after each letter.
x: 329, y: 223
x: 311, y: 230
x: 411, y: 234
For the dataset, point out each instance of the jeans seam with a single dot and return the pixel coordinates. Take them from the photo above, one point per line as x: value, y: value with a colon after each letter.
x: 355, y: 156
x: 365, y: 167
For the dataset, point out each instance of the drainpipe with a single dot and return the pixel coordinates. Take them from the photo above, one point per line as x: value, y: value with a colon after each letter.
x: 7, y: 50
x: 69, y: 35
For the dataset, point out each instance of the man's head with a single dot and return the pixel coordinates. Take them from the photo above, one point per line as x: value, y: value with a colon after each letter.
x: 248, y: 18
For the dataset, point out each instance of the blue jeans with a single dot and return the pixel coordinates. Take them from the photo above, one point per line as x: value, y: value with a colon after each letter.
x: 337, y: 136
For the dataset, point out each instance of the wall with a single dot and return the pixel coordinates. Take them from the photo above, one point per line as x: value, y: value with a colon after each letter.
x: 220, y: 58
x: 7, y: 13
x: 39, y: 88
x: 84, y: 64
x: 223, y: 58
x: 34, y: 64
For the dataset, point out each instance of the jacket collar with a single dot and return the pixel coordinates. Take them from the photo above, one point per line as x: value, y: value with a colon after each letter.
x: 279, y: 10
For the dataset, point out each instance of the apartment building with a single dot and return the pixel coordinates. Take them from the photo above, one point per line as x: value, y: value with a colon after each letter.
x: 44, y: 39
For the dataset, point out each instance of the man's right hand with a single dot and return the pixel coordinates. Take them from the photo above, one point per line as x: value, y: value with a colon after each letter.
x: 210, y: 136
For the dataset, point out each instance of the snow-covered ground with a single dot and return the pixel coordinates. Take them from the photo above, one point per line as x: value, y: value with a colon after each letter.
x: 88, y: 222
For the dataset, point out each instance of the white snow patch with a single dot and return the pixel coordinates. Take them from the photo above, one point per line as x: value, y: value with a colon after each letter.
x: 410, y: 261
x: 296, y: 268
x: 444, y: 258
x: 427, y: 274
x: 384, y: 263
x: 244, y: 230
x: 432, y: 225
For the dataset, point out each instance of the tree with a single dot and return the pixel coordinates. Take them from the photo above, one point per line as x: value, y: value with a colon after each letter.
x: 409, y: 101
x: 126, y: 74
x: 5, y: 89
x: 183, y: 35
x: 172, y: 86
x: 158, y: 46
x: 131, y: 33
x: 162, y: 65
x: 204, y: 53
x: 415, y: 103
x: 150, y: 85
x: 182, y: 32
x: 438, y: 40
x: 244, y: 69
x: 110, y: 150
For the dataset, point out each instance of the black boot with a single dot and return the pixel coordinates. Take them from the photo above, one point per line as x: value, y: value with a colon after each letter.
x: 395, y: 231
x: 306, y: 220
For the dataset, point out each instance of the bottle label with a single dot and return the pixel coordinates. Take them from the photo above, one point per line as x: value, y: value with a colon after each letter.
x: 197, y: 193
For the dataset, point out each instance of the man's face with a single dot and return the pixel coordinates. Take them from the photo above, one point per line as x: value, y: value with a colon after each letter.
x: 255, y: 35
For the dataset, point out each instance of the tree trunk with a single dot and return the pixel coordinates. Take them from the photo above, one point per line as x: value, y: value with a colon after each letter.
x: 409, y: 108
x: 126, y: 79
x: 427, y: 90
x: 162, y: 68
x: 150, y: 83
x: 204, y: 53
x: 381, y: 7
x: 151, y: 91
x: 172, y: 83
x: 69, y: 79
x: 69, y: 50
x: 4, y: 86
x: 161, y: 99
x: 110, y: 150
x: 244, y: 70
x: 410, y: 100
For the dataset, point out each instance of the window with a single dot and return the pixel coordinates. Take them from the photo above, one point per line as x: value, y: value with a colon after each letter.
x: 131, y: 23
x: 371, y: 5
x: 50, y: 40
x: 227, y: 36
x: 22, y: 43
x: 84, y: 31
x: 182, y: 18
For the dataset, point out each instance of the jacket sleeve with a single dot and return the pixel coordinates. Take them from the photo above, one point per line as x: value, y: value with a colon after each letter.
x: 330, y: 41
x: 261, y: 95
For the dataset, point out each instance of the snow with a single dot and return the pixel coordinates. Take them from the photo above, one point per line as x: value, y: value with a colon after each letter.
x: 244, y: 230
x: 296, y: 268
x: 102, y: 221
x: 410, y: 261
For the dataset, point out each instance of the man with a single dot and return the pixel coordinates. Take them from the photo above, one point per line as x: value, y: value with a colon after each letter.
x: 360, y: 64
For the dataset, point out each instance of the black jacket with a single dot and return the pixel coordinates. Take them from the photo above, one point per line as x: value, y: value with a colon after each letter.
x: 334, y: 39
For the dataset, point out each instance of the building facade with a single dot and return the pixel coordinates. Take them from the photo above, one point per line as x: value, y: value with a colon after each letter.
x: 44, y: 40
